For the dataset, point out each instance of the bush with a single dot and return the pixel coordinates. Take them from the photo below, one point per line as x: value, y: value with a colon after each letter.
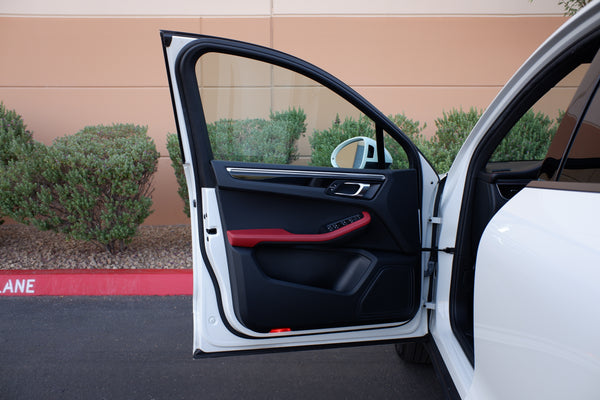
x: 529, y: 139
x: 15, y: 140
x: 452, y: 130
x: 413, y: 130
x: 325, y: 141
x: 177, y: 164
x: 94, y: 185
x: 269, y: 141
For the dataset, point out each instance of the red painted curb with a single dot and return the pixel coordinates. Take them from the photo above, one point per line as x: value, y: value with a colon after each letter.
x: 145, y: 282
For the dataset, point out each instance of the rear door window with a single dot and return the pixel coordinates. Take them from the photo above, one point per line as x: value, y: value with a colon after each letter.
x: 583, y: 161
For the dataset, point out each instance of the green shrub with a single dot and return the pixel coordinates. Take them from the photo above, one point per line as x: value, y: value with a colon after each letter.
x: 325, y: 141
x: 94, y: 185
x: 294, y: 122
x: 452, y: 130
x: 412, y: 129
x: 177, y: 164
x: 529, y: 139
x: 15, y: 140
x: 269, y: 141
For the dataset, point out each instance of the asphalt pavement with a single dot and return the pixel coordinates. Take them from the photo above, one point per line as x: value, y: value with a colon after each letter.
x: 130, y: 347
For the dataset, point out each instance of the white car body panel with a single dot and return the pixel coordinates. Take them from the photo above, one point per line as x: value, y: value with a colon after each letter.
x: 536, y: 316
x: 458, y: 366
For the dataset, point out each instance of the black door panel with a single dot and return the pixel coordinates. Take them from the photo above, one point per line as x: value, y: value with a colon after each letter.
x: 379, y: 292
x: 367, y: 277
x: 247, y: 204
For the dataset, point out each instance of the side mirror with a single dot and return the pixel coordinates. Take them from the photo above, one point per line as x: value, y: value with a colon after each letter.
x: 358, y: 152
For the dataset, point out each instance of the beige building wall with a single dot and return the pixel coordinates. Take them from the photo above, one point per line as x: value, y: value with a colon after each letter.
x: 66, y: 63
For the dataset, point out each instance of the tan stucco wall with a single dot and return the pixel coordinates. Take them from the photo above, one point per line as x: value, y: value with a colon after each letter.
x: 276, y: 7
x: 71, y: 63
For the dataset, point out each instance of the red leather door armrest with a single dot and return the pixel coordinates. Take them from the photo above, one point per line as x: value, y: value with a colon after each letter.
x: 252, y: 237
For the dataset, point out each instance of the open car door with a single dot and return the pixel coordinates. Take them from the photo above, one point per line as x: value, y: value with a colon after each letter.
x: 288, y: 250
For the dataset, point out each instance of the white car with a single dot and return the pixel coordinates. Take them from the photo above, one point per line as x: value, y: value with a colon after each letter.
x: 494, y: 267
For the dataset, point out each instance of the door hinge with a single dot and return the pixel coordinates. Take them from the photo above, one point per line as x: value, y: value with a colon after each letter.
x: 435, y: 220
x: 429, y: 305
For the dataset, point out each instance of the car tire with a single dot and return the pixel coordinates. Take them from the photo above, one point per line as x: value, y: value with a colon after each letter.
x: 413, y: 352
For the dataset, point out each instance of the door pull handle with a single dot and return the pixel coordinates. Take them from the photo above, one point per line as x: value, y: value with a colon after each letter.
x: 352, y: 189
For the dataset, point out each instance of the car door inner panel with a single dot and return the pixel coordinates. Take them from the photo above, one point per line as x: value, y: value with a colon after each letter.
x: 301, y: 257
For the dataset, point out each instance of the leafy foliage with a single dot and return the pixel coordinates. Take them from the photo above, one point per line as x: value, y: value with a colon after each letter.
x: 271, y: 141
x: 15, y: 140
x: 572, y: 6
x: 94, y: 185
x: 14, y: 136
x: 257, y: 140
x: 413, y: 129
x: 451, y: 131
x: 325, y: 141
x: 177, y: 164
x: 529, y: 139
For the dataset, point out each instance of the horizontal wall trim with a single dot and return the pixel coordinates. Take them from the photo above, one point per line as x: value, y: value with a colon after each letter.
x: 70, y: 87
x: 417, y: 15
x: 131, y: 16
x: 149, y: 87
x: 323, y: 15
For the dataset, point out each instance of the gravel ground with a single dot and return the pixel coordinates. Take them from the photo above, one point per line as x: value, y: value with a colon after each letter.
x: 23, y: 247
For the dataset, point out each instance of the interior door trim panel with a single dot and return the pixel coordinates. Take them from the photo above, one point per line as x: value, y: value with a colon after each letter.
x: 299, y: 260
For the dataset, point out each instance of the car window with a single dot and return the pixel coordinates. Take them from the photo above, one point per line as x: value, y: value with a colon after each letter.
x: 583, y: 161
x: 258, y: 112
x: 528, y: 141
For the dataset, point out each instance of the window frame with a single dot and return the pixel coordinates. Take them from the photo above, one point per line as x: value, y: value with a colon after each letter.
x: 194, y: 112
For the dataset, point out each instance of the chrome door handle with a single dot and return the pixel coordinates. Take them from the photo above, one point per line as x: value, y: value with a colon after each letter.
x: 352, y: 189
